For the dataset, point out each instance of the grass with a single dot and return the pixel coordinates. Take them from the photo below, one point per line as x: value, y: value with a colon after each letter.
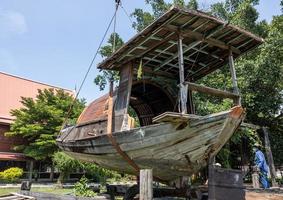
x: 53, y: 190
x: 5, y: 191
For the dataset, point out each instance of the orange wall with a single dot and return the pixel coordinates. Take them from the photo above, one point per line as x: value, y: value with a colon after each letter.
x: 12, y: 88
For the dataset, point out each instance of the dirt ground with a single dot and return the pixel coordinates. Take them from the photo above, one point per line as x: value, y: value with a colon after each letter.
x: 263, y: 196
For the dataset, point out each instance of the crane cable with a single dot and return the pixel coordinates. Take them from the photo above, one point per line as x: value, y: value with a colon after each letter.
x: 89, y: 68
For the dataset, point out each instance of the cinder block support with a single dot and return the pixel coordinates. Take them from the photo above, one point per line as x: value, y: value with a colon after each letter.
x: 255, y: 179
x: 146, y: 190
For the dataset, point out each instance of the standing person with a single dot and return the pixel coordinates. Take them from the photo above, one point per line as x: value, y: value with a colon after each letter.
x: 261, y: 164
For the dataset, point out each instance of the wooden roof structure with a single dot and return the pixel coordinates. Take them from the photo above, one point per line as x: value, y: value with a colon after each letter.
x: 206, y: 45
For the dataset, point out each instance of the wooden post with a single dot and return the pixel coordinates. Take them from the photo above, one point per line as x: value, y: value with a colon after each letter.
x: 123, y: 98
x: 211, y: 185
x: 211, y: 91
x: 146, y: 191
x: 234, y: 77
x: 269, y: 157
x: 183, y: 86
x: 110, y: 109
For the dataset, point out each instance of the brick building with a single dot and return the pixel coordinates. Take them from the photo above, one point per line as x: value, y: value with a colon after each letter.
x: 12, y: 88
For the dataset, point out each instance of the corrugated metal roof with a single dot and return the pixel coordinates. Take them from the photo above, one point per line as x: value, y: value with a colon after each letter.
x: 206, y: 44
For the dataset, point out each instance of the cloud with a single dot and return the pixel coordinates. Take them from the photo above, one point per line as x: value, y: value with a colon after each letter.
x: 12, y: 23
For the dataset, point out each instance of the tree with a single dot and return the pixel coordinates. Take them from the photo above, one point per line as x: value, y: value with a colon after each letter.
x: 143, y: 18
x: 105, y: 51
x: 193, y: 4
x: 65, y: 164
x: 39, y: 121
x: 260, y: 71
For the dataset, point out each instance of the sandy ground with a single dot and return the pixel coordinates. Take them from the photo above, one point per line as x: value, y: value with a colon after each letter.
x: 263, y: 196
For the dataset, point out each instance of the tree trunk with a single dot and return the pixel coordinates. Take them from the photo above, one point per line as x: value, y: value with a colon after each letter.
x: 60, y: 180
x: 52, y: 173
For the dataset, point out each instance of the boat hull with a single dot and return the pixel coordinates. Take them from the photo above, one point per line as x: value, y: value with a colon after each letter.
x: 170, y: 150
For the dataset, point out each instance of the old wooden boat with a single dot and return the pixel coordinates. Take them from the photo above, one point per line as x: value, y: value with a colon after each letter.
x: 176, y: 50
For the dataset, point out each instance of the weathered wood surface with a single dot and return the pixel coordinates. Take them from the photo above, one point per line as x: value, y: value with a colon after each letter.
x: 146, y: 180
x: 169, y: 150
x: 123, y: 98
x: 174, y: 117
x: 237, y: 101
x: 49, y: 196
x: 16, y: 196
x: 183, y: 91
x: 211, y: 91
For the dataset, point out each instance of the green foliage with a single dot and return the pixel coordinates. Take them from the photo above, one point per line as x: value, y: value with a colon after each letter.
x: 65, y: 164
x: 143, y: 18
x: 229, y: 156
x: 193, y: 4
x: 133, y: 114
x: 105, y: 51
x: 81, y: 188
x: 259, y: 75
x: 99, y: 174
x: 40, y: 120
x: 12, y: 174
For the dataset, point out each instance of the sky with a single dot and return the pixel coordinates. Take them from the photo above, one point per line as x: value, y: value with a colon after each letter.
x: 53, y: 41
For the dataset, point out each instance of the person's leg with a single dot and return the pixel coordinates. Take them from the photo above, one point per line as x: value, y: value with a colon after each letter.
x: 263, y: 180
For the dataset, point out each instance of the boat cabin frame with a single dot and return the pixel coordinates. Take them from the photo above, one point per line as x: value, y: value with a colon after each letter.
x: 173, y: 52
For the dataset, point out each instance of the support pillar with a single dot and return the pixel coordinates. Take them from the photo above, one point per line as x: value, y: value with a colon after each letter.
x: 211, y: 185
x: 255, y: 178
x: 146, y: 189
x: 234, y: 77
x: 183, y: 86
x: 269, y: 157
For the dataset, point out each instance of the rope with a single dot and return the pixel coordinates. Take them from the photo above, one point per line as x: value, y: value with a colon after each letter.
x: 89, y: 68
x: 126, y: 13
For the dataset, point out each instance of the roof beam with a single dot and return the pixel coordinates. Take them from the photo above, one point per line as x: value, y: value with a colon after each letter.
x: 153, y: 35
x: 205, y: 38
x: 246, y: 42
x: 191, y: 21
x: 160, y: 52
x: 201, y: 38
x: 176, y: 54
x: 235, y: 38
x: 200, y: 50
x: 148, y: 70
